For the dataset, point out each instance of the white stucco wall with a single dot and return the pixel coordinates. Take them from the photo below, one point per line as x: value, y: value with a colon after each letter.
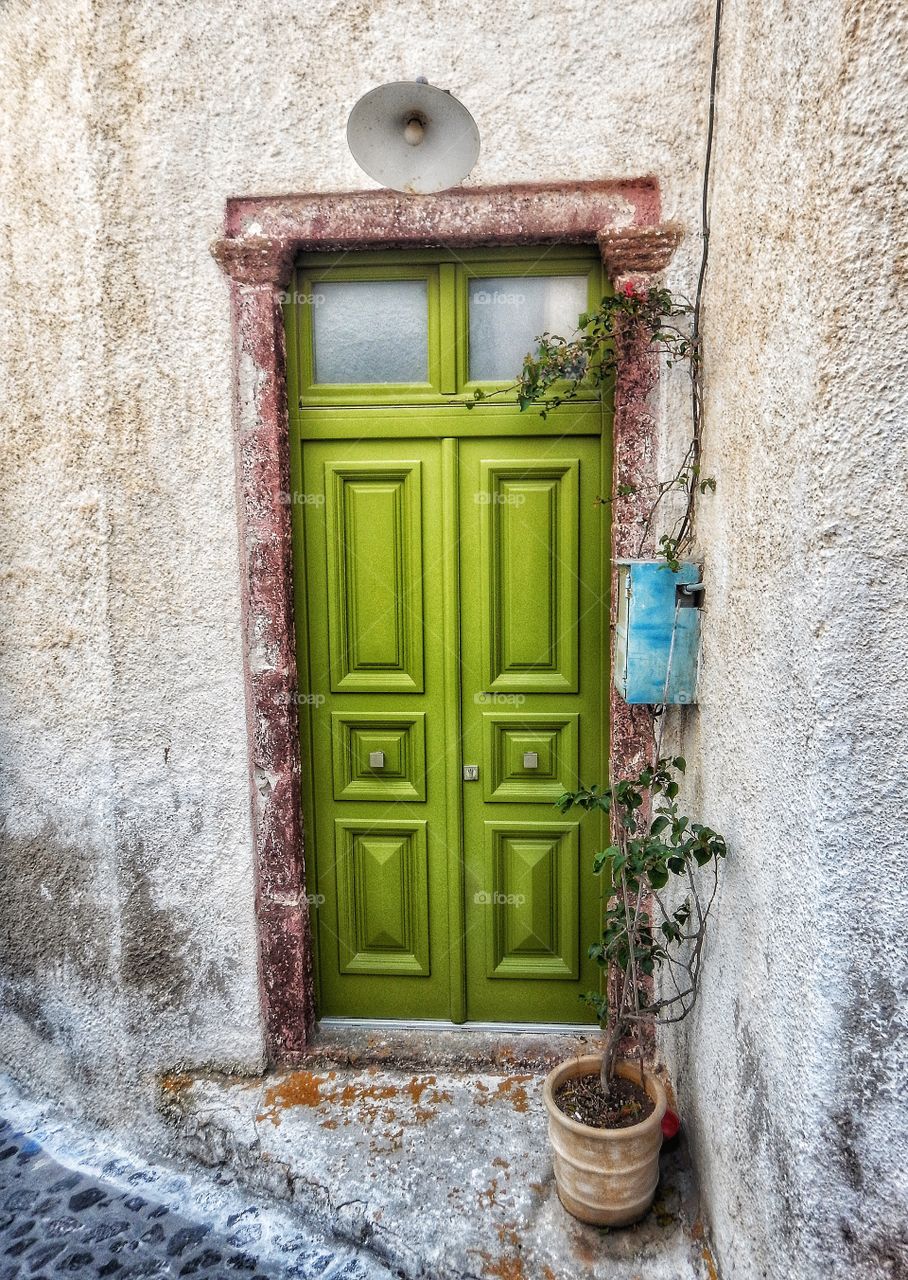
x: 127, y: 937
x: 792, y: 1073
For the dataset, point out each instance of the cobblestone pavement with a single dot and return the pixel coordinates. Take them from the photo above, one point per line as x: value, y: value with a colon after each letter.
x: 125, y: 1220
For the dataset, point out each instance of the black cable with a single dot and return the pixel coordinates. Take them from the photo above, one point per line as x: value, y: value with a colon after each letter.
x: 704, y: 206
x: 696, y: 382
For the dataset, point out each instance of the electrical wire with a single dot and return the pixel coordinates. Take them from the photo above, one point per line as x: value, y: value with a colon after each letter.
x: 697, y: 378
x: 707, y: 167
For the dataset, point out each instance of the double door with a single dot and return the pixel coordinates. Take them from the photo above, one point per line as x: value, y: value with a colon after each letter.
x: 453, y: 644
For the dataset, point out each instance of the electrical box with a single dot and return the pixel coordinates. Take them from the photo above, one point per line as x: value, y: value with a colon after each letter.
x: 658, y: 626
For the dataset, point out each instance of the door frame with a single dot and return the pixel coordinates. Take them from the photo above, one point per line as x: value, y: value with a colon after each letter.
x: 263, y: 238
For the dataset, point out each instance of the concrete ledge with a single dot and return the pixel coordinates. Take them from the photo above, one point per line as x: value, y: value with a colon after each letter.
x: 441, y: 1049
x: 441, y: 1175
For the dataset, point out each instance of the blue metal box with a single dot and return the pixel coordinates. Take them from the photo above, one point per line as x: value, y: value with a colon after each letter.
x: 651, y: 609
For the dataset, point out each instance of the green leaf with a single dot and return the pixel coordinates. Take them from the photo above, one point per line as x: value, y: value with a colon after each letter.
x: 601, y: 858
x: 658, y: 877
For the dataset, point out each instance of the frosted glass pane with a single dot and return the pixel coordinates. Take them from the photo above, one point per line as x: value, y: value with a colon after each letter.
x: 508, y: 313
x: 370, y: 331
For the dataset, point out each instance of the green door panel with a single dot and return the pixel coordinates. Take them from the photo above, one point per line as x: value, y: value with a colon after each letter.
x: 528, y: 536
x: 533, y: 644
x: 374, y: 562
x: 451, y: 587
x: 531, y: 930
x: 356, y: 738
x: 551, y: 738
x: 375, y: 727
x: 383, y: 898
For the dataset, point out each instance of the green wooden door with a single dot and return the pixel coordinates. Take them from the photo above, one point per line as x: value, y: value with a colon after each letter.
x: 451, y: 588
x: 532, y: 650
x: 378, y: 725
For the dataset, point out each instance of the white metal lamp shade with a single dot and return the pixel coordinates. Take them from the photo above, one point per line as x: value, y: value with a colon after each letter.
x: 412, y: 137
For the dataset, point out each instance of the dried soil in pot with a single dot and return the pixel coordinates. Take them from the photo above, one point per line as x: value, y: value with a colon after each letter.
x: 581, y: 1099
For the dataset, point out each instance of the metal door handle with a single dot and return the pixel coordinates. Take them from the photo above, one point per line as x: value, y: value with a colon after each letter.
x: 376, y: 759
x: 531, y: 759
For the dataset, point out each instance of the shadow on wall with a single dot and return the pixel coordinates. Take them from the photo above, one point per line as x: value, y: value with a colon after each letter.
x: 58, y: 943
x: 88, y: 956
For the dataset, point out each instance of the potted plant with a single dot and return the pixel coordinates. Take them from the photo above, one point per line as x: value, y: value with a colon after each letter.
x: 605, y: 1113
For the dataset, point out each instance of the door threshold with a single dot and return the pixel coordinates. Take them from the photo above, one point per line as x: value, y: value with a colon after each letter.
x: 438, y: 1045
x: 440, y: 1024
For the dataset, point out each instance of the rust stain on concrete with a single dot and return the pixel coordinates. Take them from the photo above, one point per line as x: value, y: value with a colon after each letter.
x: 175, y: 1084
x: 509, y: 1264
x: 488, y: 1198
x: 417, y: 1087
x: 367, y: 1100
x: 699, y: 1235
x: 505, y: 1267
x: 299, y: 1089
x: 513, y: 1088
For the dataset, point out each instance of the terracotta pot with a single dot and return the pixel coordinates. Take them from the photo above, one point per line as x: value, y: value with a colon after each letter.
x: 605, y: 1176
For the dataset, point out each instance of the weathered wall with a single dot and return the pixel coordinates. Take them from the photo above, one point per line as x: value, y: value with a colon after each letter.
x: 791, y: 1073
x: 128, y: 934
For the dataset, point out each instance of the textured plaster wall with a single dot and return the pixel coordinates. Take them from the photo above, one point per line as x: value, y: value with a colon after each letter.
x: 793, y: 1072
x: 127, y: 932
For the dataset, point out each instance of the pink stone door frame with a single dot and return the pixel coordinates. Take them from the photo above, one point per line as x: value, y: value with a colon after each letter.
x: 263, y: 237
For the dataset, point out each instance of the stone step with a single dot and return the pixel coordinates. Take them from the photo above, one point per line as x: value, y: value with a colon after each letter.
x: 441, y: 1175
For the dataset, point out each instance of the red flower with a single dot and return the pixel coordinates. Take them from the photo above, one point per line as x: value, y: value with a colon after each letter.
x: 629, y: 290
x: 671, y: 1123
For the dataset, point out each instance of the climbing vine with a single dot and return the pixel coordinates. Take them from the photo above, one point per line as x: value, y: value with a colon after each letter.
x: 562, y: 368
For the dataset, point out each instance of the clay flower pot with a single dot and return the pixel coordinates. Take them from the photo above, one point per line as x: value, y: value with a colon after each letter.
x: 605, y: 1176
